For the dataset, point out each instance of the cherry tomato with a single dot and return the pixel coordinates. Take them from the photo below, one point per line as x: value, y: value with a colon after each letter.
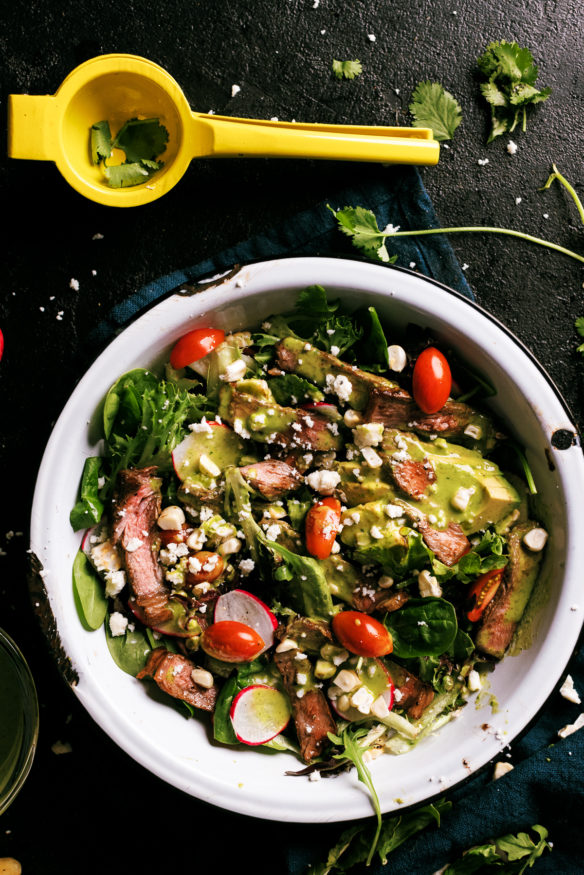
x: 321, y: 527
x: 231, y: 641
x: 212, y: 566
x: 361, y: 634
x: 431, y: 380
x: 195, y: 345
x: 482, y: 592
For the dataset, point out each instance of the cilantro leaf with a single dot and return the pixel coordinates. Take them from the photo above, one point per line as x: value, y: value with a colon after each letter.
x: 101, y: 142
x: 510, y: 87
x: 124, y: 175
x: 347, y: 69
x: 579, y: 325
x: 509, y: 853
x: 434, y: 107
x: 361, y: 226
x: 141, y: 139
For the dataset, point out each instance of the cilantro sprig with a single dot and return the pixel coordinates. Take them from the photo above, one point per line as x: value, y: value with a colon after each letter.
x: 141, y: 140
x: 433, y: 107
x: 510, y: 89
x: 347, y: 69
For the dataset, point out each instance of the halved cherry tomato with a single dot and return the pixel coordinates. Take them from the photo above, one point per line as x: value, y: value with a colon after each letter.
x: 212, y: 566
x: 361, y: 634
x: 195, y: 345
x: 431, y: 380
x: 231, y: 641
x: 321, y: 527
x: 482, y: 592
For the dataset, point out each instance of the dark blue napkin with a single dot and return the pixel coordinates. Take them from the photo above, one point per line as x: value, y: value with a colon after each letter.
x: 546, y: 785
x: 399, y: 198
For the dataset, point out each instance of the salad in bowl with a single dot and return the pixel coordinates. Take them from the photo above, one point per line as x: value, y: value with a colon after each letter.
x: 308, y: 532
x: 311, y: 533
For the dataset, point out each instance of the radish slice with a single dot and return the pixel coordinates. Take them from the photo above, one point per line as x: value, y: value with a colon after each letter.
x: 243, y: 607
x: 259, y: 713
x: 325, y: 408
x: 217, y: 441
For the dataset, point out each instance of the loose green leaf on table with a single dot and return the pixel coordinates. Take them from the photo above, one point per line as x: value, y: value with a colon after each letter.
x: 434, y: 107
x: 579, y: 325
x: 361, y: 226
x: 347, y: 69
x: 510, y: 89
x: 509, y: 854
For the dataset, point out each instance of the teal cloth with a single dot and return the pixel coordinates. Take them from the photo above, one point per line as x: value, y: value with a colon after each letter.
x: 546, y: 785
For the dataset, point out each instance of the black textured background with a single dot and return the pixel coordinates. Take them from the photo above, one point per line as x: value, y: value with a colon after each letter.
x: 85, y: 812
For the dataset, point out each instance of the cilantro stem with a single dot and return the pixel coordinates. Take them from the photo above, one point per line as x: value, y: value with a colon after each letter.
x: 569, y: 188
x: 488, y: 230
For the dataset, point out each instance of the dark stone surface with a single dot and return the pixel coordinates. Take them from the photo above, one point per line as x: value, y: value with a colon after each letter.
x: 75, y: 811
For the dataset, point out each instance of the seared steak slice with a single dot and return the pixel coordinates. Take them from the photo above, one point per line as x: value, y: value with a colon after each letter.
x: 272, y: 478
x: 396, y: 408
x: 311, y: 712
x: 173, y: 674
x: 311, y: 635
x: 448, y: 544
x: 368, y: 599
x: 411, y: 694
x: 503, y: 613
x: 137, y: 506
x: 413, y: 477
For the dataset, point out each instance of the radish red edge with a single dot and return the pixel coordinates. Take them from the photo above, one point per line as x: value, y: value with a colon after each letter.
x: 247, y: 723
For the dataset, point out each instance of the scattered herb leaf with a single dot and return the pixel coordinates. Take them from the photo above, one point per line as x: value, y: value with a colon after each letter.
x: 141, y: 140
x: 511, y: 73
x: 347, y: 69
x: 361, y: 226
x: 579, y: 325
x: 434, y: 107
x: 509, y: 853
x: 570, y: 188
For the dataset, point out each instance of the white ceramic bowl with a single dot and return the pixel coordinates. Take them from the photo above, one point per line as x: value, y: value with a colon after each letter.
x: 252, y: 781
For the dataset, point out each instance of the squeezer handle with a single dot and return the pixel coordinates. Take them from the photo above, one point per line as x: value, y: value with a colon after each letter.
x: 33, y: 126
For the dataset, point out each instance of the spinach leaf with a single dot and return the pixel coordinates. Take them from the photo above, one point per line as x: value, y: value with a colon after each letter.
x: 423, y: 627
x: 308, y: 589
x: 298, y: 507
x: 89, y: 594
x: 88, y: 510
x: 372, y: 349
x: 130, y: 651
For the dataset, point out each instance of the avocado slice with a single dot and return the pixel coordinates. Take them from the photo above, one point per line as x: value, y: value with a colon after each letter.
x: 462, y: 474
x: 360, y: 484
x: 503, y: 614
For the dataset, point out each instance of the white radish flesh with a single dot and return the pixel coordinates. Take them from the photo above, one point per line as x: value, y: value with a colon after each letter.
x: 259, y: 713
x: 243, y: 607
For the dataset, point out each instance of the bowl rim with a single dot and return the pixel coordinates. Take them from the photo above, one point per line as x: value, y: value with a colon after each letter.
x: 230, y: 275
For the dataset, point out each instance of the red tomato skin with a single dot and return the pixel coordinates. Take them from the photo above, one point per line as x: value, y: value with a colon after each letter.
x: 195, y: 345
x: 431, y: 380
x: 482, y: 592
x: 361, y: 634
x: 322, y: 526
x: 231, y: 641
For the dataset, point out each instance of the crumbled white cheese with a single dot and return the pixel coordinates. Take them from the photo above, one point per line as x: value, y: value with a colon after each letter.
x: 569, y: 692
x: 379, y: 708
x: 428, y: 585
x: 335, y: 350
x: 372, y: 458
x: 517, y: 201
x: 473, y: 681
x: 511, y: 147
x: 323, y: 481
x: 234, y: 371
x: 273, y: 531
x: 340, y: 386
x: 246, y: 566
x: 376, y: 532
x: 115, y: 581
x: 347, y: 680
x: 393, y: 511
x: 235, y: 89
x: 474, y: 431
x: 133, y: 545
x: 483, y: 161
x: 362, y: 700
x: 461, y: 498
x: 368, y: 434
x: 118, y: 624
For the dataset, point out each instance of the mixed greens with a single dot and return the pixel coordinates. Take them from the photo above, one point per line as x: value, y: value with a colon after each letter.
x: 304, y: 531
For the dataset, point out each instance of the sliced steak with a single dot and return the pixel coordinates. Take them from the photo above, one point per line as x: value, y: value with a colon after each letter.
x: 136, y: 509
x: 173, y: 674
x: 413, y: 477
x: 311, y: 713
x: 411, y: 694
x: 367, y: 599
x: 504, y: 612
x: 311, y: 635
x: 272, y: 478
x: 396, y: 408
x: 447, y: 544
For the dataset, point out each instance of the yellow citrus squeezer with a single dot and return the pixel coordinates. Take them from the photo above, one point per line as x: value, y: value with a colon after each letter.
x: 118, y: 87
